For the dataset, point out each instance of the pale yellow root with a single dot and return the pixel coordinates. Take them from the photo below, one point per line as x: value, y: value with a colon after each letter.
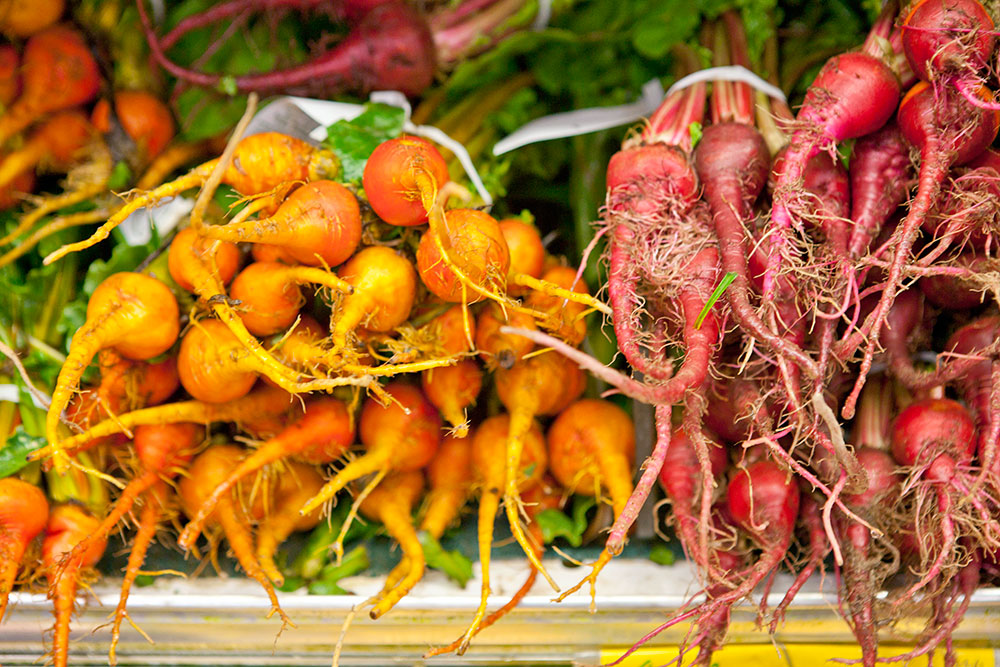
x: 554, y: 290
x: 313, y: 275
x: 373, y: 461
x: 397, y: 523
x: 53, y: 227
x: 338, y: 544
x: 186, y: 182
x: 398, y: 369
x: 591, y: 578
x: 520, y: 425
x: 51, y: 205
x: 489, y: 503
x: 172, y: 158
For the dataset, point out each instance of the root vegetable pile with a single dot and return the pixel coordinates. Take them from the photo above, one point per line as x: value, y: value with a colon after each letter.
x: 354, y: 347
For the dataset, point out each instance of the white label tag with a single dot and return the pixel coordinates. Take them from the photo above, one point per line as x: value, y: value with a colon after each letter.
x: 583, y: 121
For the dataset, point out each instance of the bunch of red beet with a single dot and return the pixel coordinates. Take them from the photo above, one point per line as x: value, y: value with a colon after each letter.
x: 787, y: 281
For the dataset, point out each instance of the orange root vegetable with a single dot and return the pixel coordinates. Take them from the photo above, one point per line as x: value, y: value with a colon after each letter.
x: 395, y: 441
x: 270, y: 297
x: 476, y: 245
x: 23, y: 514
x: 592, y: 447
x: 263, y: 410
x: 402, y: 179
x: 67, y: 526
x: 130, y: 312
x: 541, y: 385
x: 491, y: 466
x: 400, y: 175
x: 392, y: 502
x: 54, y: 145
x: 261, y: 163
x: 215, y: 367
x: 318, y: 224
x: 14, y: 194
x: 10, y: 74
x: 322, y: 435
x: 57, y: 72
x: 527, y: 254
x: 265, y: 252
x: 125, y: 385
x: 450, y: 477
x: 563, y: 299
x: 149, y: 520
x: 385, y: 286
x: 23, y: 18
x: 190, y: 254
x: 448, y: 330
x: 536, y: 499
x: 146, y: 120
x: 206, y: 472
x: 195, y: 268
x: 499, y: 350
x: 452, y: 389
x: 128, y: 385
x: 296, y: 484
x: 163, y: 450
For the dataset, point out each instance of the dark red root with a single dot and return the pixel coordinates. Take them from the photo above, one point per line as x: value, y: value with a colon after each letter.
x: 391, y: 48
x: 809, y: 514
x: 943, y: 624
x: 944, y: 545
x: 623, y: 294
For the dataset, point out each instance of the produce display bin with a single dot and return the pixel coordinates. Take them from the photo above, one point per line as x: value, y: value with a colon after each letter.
x: 223, y: 621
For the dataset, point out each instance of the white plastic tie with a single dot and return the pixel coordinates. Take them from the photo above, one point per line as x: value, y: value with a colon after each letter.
x: 583, y: 121
x: 736, y: 73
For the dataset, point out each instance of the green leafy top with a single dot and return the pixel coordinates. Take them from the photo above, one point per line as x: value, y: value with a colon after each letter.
x: 354, y: 140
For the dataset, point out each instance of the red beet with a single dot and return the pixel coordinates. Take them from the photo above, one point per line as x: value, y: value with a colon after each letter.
x: 391, y: 48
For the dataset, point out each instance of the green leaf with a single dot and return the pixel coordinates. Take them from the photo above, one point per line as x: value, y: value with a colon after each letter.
x: 354, y: 140
x: 661, y: 554
x: 720, y: 289
x: 674, y: 22
x: 291, y: 584
x: 124, y: 257
x: 555, y: 523
x: 121, y: 176
x: 144, y: 580
x: 455, y: 564
x: 227, y: 86
x: 315, y: 555
x: 14, y: 453
x: 354, y: 562
x: 694, y: 129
